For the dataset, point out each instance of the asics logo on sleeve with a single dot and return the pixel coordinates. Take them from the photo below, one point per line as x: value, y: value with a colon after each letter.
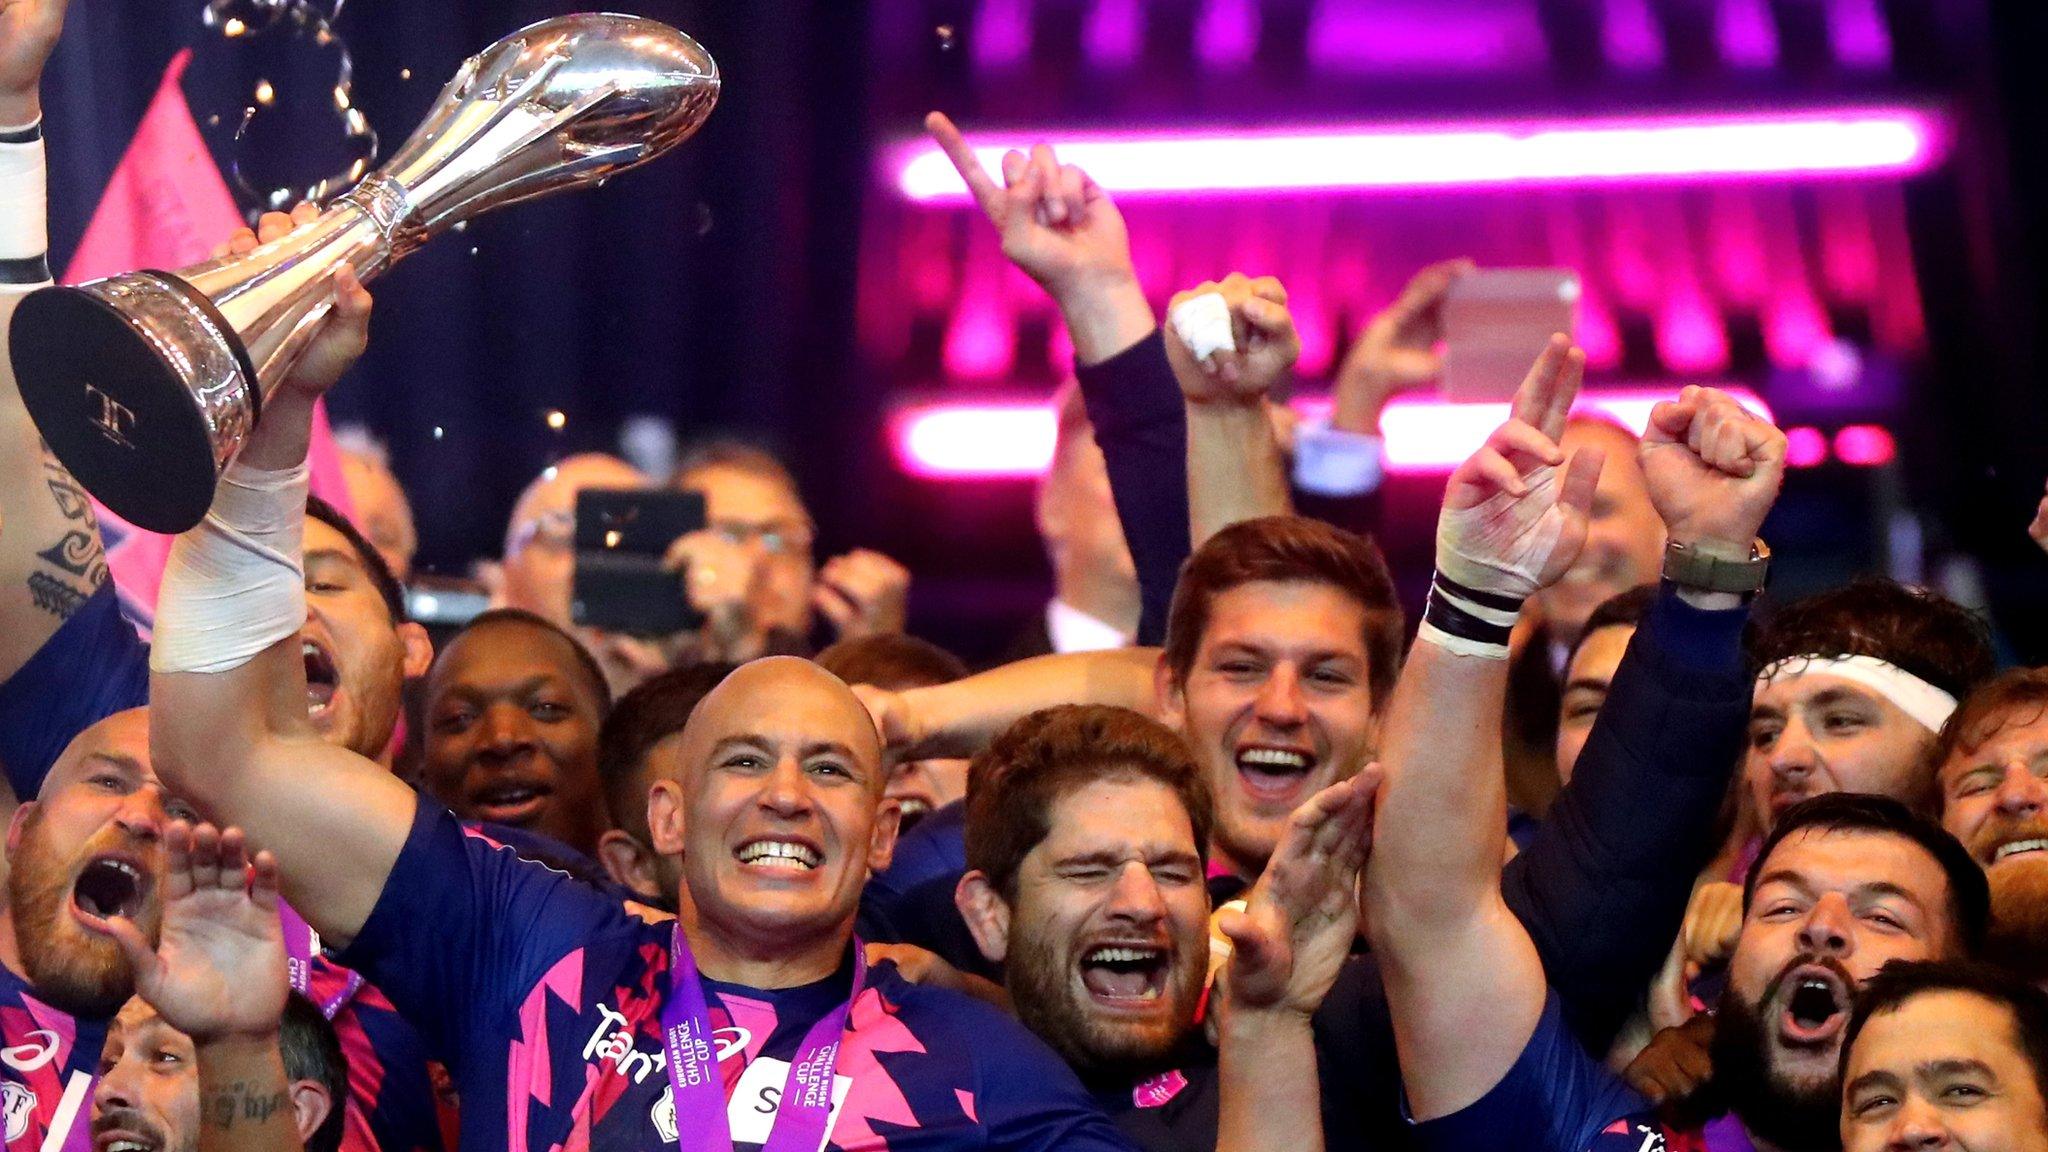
x: 30, y: 1056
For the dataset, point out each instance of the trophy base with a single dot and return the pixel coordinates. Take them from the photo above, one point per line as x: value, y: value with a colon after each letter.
x: 140, y: 389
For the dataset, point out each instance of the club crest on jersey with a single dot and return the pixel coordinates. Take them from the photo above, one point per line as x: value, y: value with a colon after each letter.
x: 664, y: 1115
x: 18, y: 1106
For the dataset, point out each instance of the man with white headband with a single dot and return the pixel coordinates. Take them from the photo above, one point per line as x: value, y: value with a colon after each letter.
x: 1854, y: 684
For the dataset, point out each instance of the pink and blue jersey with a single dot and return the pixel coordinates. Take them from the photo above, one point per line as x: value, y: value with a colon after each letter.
x: 91, y: 668
x: 544, y: 998
x: 48, y: 1060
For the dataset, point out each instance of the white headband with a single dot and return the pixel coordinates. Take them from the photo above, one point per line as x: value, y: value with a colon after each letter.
x: 1927, y: 705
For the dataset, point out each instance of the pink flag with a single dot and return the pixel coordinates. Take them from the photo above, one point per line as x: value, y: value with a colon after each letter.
x: 167, y: 206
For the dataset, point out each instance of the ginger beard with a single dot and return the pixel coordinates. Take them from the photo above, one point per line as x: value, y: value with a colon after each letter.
x: 2018, y: 874
x: 71, y: 966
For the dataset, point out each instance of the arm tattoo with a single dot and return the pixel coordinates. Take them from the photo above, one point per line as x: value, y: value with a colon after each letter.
x: 244, y: 1102
x: 78, y: 561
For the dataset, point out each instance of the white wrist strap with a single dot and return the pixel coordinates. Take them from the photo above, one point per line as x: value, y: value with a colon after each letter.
x: 24, y: 212
x: 235, y: 585
x: 1930, y: 707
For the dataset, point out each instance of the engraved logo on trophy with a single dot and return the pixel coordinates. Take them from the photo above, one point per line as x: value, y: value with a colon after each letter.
x: 566, y: 103
x: 114, y: 419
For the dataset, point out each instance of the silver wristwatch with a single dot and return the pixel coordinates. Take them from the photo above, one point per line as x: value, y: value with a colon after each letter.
x: 1688, y: 567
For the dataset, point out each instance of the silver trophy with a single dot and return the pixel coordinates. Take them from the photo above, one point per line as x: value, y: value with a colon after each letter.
x: 145, y: 385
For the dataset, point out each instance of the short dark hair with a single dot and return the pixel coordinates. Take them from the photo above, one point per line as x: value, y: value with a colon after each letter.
x: 312, y: 1051
x: 600, y: 686
x: 1290, y: 549
x: 366, y: 554
x: 1621, y: 610
x: 1989, y: 708
x: 1969, y: 894
x: 892, y: 661
x: 644, y: 717
x: 1917, y: 631
x: 1902, y: 980
x: 1014, y: 783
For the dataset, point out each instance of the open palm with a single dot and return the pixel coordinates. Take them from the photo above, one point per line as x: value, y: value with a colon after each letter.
x: 218, y: 967
x: 1297, y: 926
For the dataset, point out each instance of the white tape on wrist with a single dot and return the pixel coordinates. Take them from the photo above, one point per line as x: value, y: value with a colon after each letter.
x: 1502, y: 544
x: 1930, y: 707
x: 1203, y: 324
x: 24, y: 211
x: 235, y: 585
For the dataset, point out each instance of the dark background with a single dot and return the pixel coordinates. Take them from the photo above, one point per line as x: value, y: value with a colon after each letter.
x: 723, y: 289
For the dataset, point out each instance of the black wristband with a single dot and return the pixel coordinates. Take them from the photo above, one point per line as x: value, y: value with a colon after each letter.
x: 1482, y: 618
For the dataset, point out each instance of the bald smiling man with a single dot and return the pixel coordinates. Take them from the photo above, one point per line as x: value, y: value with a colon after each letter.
x: 525, y: 978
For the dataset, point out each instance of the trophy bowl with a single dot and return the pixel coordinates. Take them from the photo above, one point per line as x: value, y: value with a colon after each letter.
x: 145, y: 385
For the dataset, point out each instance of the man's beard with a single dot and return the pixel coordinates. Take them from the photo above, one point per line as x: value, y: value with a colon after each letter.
x: 2018, y: 936
x: 132, y: 1120
x: 69, y: 966
x: 1793, y: 1115
x: 1042, y: 994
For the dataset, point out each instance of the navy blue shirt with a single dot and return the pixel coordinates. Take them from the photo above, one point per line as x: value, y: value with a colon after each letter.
x: 545, y: 998
x: 89, y: 669
x: 1556, y: 1098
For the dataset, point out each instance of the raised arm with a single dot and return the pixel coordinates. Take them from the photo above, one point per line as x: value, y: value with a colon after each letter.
x: 1247, y: 345
x: 1605, y: 882
x: 1063, y: 231
x: 51, y: 560
x: 1287, y: 946
x: 228, y: 725
x: 958, y: 719
x: 1464, y: 983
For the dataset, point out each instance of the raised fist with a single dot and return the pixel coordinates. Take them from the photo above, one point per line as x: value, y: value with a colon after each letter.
x: 1263, y: 342
x: 28, y: 33
x: 1713, y: 469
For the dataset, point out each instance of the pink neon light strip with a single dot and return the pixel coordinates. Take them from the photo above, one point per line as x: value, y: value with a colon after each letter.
x: 994, y: 441
x: 1873, y: 141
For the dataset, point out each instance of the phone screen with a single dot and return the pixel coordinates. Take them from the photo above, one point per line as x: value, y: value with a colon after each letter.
x: 622, y: 536
x: 1497, y: 321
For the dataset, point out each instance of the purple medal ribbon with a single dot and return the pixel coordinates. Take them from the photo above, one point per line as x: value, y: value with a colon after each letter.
x: 806, y: 1105
x: 298, y: 953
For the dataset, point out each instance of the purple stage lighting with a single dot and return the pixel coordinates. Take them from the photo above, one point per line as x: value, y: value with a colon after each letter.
x: 1814, y: 143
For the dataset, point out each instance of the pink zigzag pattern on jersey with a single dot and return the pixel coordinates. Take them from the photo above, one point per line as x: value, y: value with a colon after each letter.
x: 529, y: 1070
x: 874, y: 1095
